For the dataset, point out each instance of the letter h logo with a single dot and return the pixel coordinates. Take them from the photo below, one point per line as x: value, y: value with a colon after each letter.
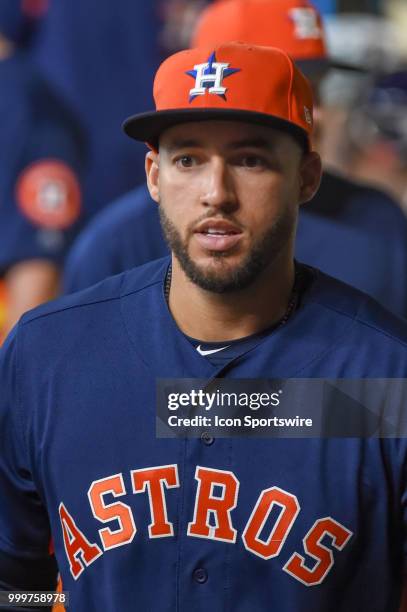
x: 209, y: 77
x: 306, y: 23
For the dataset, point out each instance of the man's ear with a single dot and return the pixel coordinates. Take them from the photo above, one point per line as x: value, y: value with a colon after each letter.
x: 310, y: 173
x: 152, y: 174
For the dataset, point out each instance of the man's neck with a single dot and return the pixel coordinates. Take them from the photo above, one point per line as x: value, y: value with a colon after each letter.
x: 213, y: 317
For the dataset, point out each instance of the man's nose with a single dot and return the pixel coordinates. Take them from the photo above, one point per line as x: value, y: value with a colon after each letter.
x: 219, y: 187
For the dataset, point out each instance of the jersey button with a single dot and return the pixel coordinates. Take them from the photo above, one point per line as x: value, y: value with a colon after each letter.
x: 200, y: 575
x: 207, y: 439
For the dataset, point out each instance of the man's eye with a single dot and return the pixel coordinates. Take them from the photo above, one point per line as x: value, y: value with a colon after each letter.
x: 252, y: 161
x: 186, y: 161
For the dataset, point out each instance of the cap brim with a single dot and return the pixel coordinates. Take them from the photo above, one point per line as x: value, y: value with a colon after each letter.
x: 148, y: 127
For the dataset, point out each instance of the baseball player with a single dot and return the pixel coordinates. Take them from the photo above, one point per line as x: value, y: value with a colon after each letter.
x: 103, y: 61
x: 141, y: 522
x: 351, y: 231
x: 379, y: 115
x: 42, y: 155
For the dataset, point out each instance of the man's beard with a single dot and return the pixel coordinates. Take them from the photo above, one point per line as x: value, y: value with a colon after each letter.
x: 263, y: 253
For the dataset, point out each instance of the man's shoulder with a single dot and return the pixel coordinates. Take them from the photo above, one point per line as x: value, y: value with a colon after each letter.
x: 366, y: 317
x: 125, y: 234
x: 122, y: 214
x: 349, y: 201
x: 89, y: 300
x: 127, y: 207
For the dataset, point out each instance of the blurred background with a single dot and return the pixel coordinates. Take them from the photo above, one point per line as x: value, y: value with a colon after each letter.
x: 71, y: 72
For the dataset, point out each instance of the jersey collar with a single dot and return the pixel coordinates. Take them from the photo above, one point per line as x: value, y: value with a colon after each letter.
x: 287, y: 352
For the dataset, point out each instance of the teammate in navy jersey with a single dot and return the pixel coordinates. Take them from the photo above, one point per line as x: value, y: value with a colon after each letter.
x: 42, y: 155
x: 103, y: 61
x: 137, y: 521
x: 351, y: 231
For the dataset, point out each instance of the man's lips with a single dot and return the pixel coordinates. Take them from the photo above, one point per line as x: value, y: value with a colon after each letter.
x: 217, y: 235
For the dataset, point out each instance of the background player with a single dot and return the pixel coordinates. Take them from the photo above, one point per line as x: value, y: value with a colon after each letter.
x: 42, y: 157
x: 375, y: 135
x: 354, y: 232
x: 102, y: 61
x: 301, y: 524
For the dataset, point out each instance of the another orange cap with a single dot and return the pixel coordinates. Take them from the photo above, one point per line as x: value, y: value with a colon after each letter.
x: 231, y: 81
x: 292, y: 25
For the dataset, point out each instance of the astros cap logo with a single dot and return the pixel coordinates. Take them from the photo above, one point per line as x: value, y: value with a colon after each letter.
x: 306, y: 23
x: 49, y: 195
x: 204, y: 77
x: 232, y: 81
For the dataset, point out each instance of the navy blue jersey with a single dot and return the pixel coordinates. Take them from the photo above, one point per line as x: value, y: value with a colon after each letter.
x: 352, y: 232
x: 173, y: 524
x: 103, y: 61
x: 42, y: 156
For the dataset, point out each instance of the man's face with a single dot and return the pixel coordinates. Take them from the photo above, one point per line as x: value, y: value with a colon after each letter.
x: 228, y: 195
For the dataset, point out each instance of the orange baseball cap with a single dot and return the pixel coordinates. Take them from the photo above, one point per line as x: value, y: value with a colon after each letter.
x: 231, y: 81
x: 292, y: 25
